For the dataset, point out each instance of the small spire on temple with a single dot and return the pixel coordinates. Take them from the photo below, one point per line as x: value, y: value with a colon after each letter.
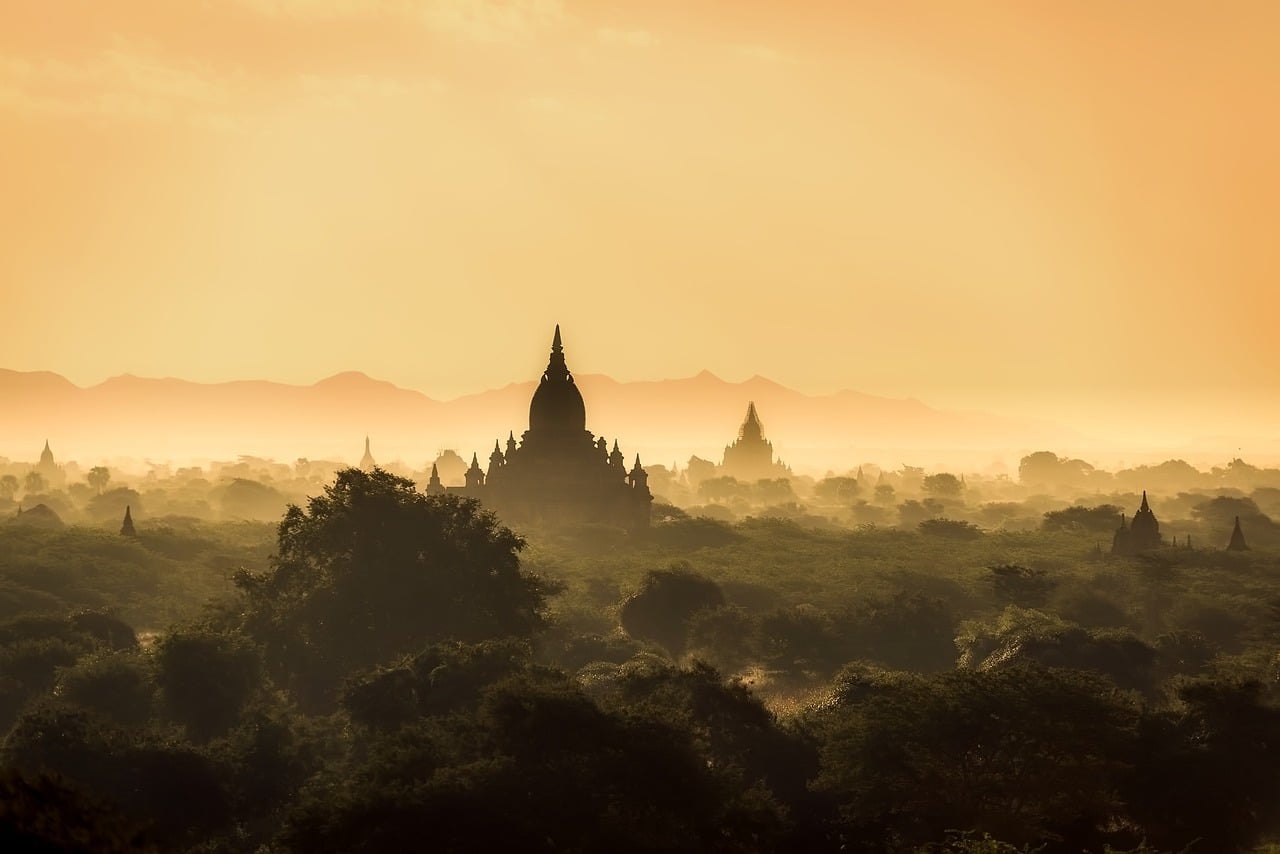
x: 126, y: 528
x: 1145, y: 508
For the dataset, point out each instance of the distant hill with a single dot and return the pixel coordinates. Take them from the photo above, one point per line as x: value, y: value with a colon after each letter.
x: 664, y: 420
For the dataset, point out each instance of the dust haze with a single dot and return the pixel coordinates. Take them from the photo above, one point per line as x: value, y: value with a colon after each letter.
x: 541, y: 425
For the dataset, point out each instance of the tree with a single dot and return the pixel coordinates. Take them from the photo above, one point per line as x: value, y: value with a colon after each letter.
x: 943, y: 485
x: 34, y: 483
x: 837, y: 490
x: 1047, y: 469
x: 1026, y: 754
x: 1098, y: 521
x: 373, y: 570
x: 109, y: 506
x: 8, y: 487
x: 659, y: 611
x: 206, y: 678
x: 720, y: 488
x: 98, y: 477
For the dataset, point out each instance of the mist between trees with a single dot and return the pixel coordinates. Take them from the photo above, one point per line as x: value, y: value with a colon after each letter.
x: 878, y: 660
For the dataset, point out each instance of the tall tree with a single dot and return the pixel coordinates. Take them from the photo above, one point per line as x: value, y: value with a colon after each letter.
x: 373, y: 570
x: 98, y: 477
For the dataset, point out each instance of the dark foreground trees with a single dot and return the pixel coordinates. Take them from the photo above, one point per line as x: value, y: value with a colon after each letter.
x: 385, y: 686
x: 372, y: 570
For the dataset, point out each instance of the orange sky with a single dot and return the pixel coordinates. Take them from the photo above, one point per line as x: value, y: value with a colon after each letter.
x: 1036, y: 208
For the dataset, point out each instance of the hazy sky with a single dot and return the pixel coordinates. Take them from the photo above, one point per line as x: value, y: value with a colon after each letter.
x: 1022, y: 206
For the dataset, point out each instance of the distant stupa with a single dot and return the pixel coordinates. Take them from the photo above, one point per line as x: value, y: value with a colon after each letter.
x: 750, y: 457
x: 1237, y: 543
x: 1143, y: 534
x: 126, y: 528
x: 434, y: 486
x: 367, y: 462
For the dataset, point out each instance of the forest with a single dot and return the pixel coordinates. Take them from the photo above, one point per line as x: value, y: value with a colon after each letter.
x: 880, y: 661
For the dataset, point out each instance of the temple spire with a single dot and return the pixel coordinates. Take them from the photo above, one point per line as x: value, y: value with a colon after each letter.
x: 434, y: 486
x: 751, y: 430
x: 1145, y: 508
x: 557, y: 370
x: 1237, y: 543
x: 126, y: 527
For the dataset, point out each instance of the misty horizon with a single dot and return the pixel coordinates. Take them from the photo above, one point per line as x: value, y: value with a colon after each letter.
x: 813, y: 452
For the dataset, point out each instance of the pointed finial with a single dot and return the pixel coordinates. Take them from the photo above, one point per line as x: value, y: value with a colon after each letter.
x: 435, y: 472
x: 615, y: 444
x: 637, y: 461
x: 511, y: 436
x: 495, y: 447
x: 366, y: 443
x: 556, y: 346
x: 475, y: 460
x: 46, y: 444
x: 1145, y: 507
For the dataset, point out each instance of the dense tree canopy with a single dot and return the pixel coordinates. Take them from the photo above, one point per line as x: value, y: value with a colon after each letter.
x: 373, y: 569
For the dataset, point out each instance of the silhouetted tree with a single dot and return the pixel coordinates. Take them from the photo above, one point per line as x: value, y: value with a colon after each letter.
x: 8, y: 487
x: 1222, y: 745
x: 659, y: 611
x: 942, y: 485
x: 1098, y: 521
x: 951, y: 529
x: 41, y: 814
x: 98, y: 477
x: 116, y: 685
x: 1026, y: 754
x: 373, y: 570
x: 837, y: 490
x: 205, y: 678
x: 34, y: 483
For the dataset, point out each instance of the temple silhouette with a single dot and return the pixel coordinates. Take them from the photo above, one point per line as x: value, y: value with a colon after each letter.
x: 367, y: 462
x: 750, y: 457
x: 1237, y: 543
x: 558, y: 472
x: 1139, y: 536
x: 54, y: 475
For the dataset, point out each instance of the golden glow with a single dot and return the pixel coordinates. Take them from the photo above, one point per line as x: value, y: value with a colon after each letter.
x: 1067, y: 210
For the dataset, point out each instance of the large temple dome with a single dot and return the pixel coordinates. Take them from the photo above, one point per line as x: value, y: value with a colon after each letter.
x: 557, y: 405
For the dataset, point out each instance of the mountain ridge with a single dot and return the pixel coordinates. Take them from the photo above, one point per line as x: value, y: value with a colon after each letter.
x: 168, y: 417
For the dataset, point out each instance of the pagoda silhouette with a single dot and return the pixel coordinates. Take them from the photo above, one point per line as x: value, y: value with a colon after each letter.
x: 558, y: 472
x: 1143, y: 534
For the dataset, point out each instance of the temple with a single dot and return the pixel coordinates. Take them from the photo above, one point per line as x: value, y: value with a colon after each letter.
x: 1141, y: 535
x: 557, y: 472
x: 54, y: 475
x: 750, y: 457
x: 1237, y: 543
x: 367, y: 463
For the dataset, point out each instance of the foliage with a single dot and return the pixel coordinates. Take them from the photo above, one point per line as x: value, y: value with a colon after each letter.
x: 206, y: 678
x: 667, y: 598
x: 373, y: 570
